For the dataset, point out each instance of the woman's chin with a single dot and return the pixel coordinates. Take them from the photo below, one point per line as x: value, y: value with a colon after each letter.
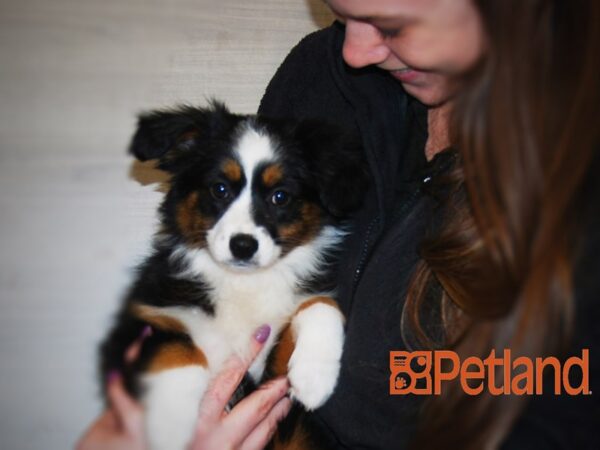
x: 431, y: 94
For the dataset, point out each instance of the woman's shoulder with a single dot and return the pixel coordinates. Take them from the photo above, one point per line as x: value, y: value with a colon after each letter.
x: 317, y: 47
x: 303, y: 85
x: 318, y: 41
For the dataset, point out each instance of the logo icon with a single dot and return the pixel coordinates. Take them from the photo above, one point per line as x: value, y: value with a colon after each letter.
x: 410, y: 372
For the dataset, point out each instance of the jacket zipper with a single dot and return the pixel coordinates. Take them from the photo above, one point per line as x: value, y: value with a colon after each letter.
x: 408, y: 203
x: 363, y: 256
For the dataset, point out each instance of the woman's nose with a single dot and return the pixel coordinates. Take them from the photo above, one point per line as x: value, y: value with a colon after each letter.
x: 363, y: 45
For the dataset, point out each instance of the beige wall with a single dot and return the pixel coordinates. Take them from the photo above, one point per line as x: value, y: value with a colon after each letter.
x: 73, y: 218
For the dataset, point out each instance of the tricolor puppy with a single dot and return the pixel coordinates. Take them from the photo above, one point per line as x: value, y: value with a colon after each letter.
x: 249, y: 226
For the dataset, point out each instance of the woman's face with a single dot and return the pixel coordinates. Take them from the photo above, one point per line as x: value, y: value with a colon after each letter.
x: 425, y: 44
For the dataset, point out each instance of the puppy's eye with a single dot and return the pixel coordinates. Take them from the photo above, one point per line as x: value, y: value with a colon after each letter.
x: 280, y: 198
x: 220, y: 191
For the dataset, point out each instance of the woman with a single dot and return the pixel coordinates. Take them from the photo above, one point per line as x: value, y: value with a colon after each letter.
x: 479, y: 122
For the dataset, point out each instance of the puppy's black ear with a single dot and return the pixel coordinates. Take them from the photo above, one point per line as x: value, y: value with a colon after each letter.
x: 167, y: 135
x: 338, y: 164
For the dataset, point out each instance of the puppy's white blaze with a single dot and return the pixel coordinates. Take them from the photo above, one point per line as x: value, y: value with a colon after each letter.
x: 172, y: 399
x: 315, y: 363
x: 251, y: 150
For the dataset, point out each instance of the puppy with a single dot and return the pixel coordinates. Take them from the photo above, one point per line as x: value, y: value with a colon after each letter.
x: 248, y: 230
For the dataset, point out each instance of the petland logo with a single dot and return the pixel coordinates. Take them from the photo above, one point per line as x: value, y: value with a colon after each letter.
x: 424, y: 373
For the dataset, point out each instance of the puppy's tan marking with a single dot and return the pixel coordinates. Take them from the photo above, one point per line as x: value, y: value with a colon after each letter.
x: 192, y: 224
x: 232, y: 170
x: 272, y: 175
x: 304, y: 229
x: 320, y: 299
x: 299, y: 440
x: 283, y: 351
x: 153, y: 317
x: 177, y: 354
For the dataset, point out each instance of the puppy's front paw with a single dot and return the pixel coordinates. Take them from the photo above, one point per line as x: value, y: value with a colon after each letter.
x: 312, y: 381
x: 314, y: 366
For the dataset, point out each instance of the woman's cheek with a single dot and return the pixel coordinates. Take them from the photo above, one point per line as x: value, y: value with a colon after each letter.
x: 417, y: 51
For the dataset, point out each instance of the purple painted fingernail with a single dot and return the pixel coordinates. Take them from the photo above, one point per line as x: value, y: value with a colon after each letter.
x: 112, y: 375
x: 147, y: 331
x: 262, y: 334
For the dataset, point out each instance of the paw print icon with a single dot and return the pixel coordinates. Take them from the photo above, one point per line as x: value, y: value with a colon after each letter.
x: 410, y: 372
x: 402, y: 381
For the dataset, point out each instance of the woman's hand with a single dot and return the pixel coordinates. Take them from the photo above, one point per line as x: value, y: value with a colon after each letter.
x: 248, y: 426
x: 252, y: 422
x: 121, y: 426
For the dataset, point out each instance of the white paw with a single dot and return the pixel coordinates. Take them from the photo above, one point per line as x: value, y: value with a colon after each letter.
x: 312, y: 382
x: 314, y: 366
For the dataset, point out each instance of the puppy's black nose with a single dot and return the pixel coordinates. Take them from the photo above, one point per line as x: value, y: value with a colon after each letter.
x: 243, y: 246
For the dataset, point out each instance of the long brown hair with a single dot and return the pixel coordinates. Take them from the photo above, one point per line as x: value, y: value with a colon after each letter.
x: 525, y: 128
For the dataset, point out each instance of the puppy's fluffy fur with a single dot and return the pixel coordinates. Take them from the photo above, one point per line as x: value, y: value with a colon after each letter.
x: 248, y: 228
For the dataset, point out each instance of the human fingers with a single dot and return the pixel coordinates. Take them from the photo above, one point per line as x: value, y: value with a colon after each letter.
x: 264, y: 431
x: 94, y: 436
x: 255, y: 418
x: 225, y: 383
x: 128, y: 412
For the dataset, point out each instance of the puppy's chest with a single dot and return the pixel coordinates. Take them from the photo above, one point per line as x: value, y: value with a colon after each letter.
x: 252, y: 298
x: 241, y: 304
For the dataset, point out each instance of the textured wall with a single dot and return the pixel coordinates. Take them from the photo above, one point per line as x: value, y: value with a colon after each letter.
x: 75, y: 214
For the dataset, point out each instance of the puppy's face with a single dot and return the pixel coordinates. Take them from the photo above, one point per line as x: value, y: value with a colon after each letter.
x: 244, y: 188
x: 252, y: 207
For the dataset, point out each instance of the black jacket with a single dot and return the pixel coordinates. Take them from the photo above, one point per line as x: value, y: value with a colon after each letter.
x: 380, y: 254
